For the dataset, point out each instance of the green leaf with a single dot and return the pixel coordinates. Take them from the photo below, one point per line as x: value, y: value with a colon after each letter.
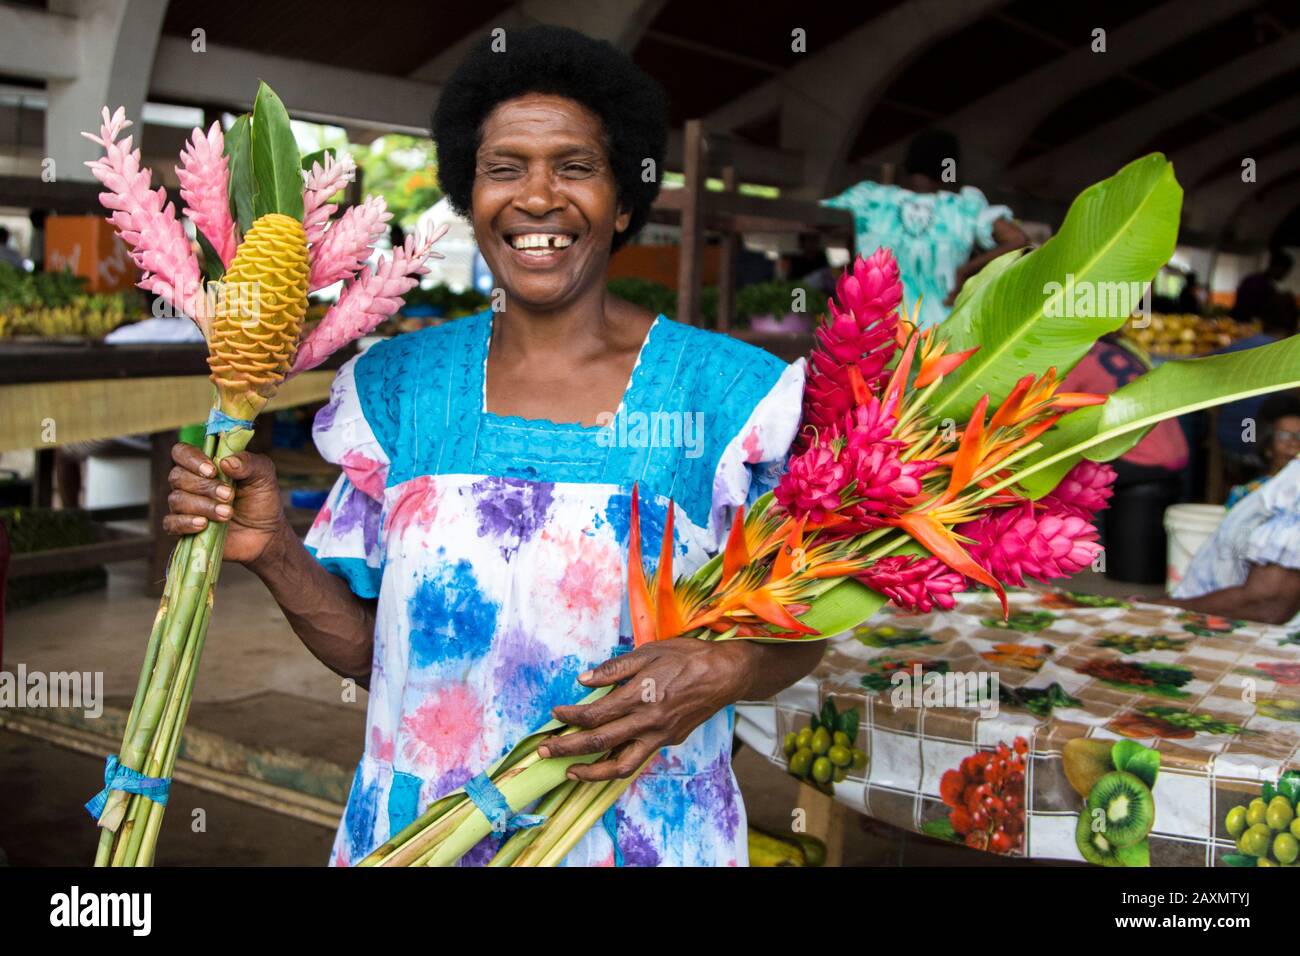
x: 843, y: 607
x: 1103, y: 432
x: 213, y: 269
x: 277, y: 169
x: 1118, y: 232
x: 1238, y: 859
x: 311, y: 159
x: 1289, y: 786
x: 1142, y: 762
x: 243, y: 189
x: 940, y: 829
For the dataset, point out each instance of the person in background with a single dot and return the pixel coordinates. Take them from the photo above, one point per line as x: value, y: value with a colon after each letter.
x: 1278, y: 436
x: 1278, y: 322
x: 8, y: 254
x: 1189, y: 303
x: 933, y: 229
x: 1258, y: 292
x: 810, y: 265
x: 1250, y: 566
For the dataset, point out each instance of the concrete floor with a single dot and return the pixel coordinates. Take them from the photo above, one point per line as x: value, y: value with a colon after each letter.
x: 258, y: 686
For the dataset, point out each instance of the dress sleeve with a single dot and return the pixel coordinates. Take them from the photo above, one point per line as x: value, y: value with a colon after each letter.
x: 857, y: 199
x: 1276, y: 539
x: 345, y: 535
x: 754, y: 459
x: 985, y: 216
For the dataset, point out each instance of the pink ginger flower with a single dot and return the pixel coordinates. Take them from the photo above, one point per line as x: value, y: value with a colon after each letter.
x: 323, y: 181
x: 205, y: 189
x: 886, y: 484
x: 866, y: 424
x: 346, y: 245
x: 1028, y: 540
x: 1085, y: 489
x: 813, y: 483
x: 916, y: 583
x: 859, y: 332
x: 145, y: 220
x: 369, y: 299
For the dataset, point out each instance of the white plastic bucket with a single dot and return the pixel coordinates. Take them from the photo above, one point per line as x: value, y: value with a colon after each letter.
x: 1187, y: 527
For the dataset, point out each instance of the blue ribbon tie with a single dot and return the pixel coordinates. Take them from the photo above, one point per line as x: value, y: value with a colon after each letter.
x: 493, y: 805
x: 219, y: 421
x: 118, y: 777
x: 610, y: 821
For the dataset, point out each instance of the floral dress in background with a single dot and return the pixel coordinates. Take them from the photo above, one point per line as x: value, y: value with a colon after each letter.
x: 497, y: 549
x: 931, y: 234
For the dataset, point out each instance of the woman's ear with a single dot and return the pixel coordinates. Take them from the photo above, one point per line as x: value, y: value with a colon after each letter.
x: 622, y: 220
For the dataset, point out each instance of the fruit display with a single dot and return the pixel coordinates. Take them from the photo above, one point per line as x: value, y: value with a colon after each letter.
x: 823, y: 753
x: 795, y: 849
x: 55, y: 305
x: 1069, y: 600
x: 1208, y: 625
x: 1139, y: 676
x: 887, y: 635
x: 1282, y: 672
x: 1279, y: 708
x: 1119, y: 810
x: 883, y: 669
x: 1192, y: 720
x: 1180, y: 336
x: 986, y: 797
x: 1138, y: 643
x: 1025, y: 657
x: 1267, y: 829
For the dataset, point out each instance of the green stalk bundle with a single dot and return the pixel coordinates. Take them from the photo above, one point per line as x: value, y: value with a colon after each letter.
x: 130, y: 823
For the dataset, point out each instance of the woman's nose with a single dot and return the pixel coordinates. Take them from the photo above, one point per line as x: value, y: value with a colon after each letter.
x: 537, y: 195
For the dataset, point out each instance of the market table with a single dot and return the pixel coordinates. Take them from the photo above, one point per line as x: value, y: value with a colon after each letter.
x: 1218, y: 699
x: 53, y: 393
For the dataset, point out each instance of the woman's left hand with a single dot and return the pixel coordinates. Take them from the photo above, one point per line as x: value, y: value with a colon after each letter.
x: 669, y: 688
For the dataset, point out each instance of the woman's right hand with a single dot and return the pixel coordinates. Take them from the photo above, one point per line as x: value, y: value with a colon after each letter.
x: 252, y: 507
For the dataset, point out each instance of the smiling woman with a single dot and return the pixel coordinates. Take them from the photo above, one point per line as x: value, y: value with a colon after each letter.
x: 469, y: 563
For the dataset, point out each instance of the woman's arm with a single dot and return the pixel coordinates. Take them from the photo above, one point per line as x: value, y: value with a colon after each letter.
x: 668, y: 689
x: 335, y: 625
x: 1270, y: 594
x: 1008, y: 237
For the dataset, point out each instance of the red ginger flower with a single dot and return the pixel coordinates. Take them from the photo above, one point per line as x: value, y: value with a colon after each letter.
x: 1043, y: 542
x: 859, y: 333
x: 918, y: 584
x: 1085, y: 489
x: 813, y: 482
x: 867, y: 424
x: 886, y: 484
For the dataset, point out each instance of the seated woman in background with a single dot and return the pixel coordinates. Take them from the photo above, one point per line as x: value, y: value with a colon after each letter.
x: 1279, y: 442
x: 1250, y: 567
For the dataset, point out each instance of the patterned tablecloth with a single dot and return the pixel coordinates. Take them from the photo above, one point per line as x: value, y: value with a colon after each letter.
x: 1219, y: 700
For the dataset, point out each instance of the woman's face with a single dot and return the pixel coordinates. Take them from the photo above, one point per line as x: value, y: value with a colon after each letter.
x: 545, y: 203
x: 1286, y: 442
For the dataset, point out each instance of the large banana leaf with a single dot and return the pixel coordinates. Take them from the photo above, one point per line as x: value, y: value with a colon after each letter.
x: 1103, y: 432
x: 1118, y: 233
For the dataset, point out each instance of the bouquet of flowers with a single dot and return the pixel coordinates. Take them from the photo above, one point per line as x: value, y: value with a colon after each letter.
x: 928, y: 462
x: 265, y: 224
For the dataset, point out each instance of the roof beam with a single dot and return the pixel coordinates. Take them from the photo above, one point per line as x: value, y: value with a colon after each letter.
x: 1097, y: 152
x: 621, y: 22
x: 1256, y: 219
x: 1214, y: 203
x: 994, y: 127
x: 317, y: 91
x: 1193, y: 162
x: 39, y: 45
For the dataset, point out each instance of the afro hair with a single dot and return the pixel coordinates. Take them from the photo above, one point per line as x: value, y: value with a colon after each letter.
x: 546, y: 59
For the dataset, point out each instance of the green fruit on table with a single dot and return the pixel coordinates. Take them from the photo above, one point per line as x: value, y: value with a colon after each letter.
x: 1295, y: 828
x: 790, y: 744
x: 859, y: 759
x: 801, y: 762
x: 1279, y: 814
x: 1264, y: 861
x: 1256, y: 812
x: 840, y: 755
x: 841, y: 739
x: 1256, y: 840
x: 803, y: 739
x: 1286, y: 848
x: 821, y: 741
x: 840, y: 774
x: 823, y: 770
x: 1235, y: 822
x: 1129, y: 808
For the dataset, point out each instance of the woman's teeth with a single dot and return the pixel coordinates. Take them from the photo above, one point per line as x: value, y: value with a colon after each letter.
x: 540, y: 243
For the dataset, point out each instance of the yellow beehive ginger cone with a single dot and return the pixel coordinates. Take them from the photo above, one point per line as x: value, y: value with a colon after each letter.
x: 257, y: 314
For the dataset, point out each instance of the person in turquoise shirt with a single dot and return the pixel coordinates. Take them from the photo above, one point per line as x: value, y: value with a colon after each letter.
x: 934, y: 231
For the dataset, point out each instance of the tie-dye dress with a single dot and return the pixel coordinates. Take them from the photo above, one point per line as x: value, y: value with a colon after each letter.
x: 497, y: 549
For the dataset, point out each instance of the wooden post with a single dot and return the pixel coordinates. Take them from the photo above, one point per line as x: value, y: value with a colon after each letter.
x: 160, y: 463
x: 825, y: 821
x: 727, y: 262
x: 43, y: 479
x: 692, y: 246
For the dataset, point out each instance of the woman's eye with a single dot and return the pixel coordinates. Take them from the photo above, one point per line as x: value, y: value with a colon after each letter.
x: 577, y: 169
x: 501, y: 172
